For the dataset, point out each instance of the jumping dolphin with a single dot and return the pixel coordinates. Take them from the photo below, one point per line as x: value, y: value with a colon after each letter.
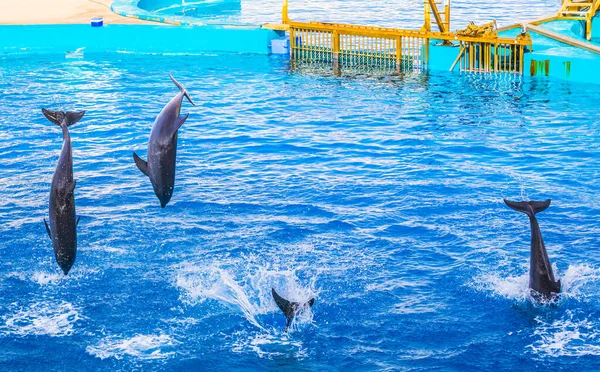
x: 290, y: 309
x: 162, y: 147
x: 541, y: 277
x: 62, y: 230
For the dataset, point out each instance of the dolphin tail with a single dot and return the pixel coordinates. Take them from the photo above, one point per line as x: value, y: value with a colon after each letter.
x: 530, y: 208
x: 59, y: 117
x: 286, y: 306
x: 557, y: 286
x: 182, y: 89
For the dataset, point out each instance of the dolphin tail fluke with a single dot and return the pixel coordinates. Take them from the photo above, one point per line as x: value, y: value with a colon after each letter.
x: 286, y: 306
x: 529, y: 208
x: 182, y: 89
x: 142, y: 165
x: 58, y: 117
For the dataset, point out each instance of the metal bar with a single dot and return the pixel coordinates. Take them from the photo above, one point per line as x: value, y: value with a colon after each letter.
x: 345, y: 29
x: 285, y: 19
x: 436, y: 14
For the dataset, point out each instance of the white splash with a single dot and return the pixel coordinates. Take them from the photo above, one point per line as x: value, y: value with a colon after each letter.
x: 78, y: 53
x: 576, y: 284
x: 250, y: 293
x: 271, y: 345
x: 145, y: 347
x: 511, y: 287
x: 44, y: 318
x: 566, y: 337
x: 43, y: 278
x: 580, y: 282
x: 217, y: 284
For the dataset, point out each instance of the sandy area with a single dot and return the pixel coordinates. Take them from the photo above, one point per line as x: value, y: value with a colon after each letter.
x: 58, y: 11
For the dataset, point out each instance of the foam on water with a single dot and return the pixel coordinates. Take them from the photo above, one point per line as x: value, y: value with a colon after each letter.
x: 144, y: 347
x: 248, y: 291
x: 51, y: 278
x: 41, y: 318
x: 270, y: 345
x: 579, y: 282
x: 574, y: 335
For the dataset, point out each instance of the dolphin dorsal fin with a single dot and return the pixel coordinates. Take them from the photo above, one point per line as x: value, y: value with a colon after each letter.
x: 142, y: 165
x: 182, y: 90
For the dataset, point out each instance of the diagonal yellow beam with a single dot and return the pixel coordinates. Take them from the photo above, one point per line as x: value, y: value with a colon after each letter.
x: 436, y: 14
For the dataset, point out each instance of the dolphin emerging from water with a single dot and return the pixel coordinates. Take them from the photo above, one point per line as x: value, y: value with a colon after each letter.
x: 290, y: 309
x: 62, y: 230
x: 162, y: 147
x: 541, y: 277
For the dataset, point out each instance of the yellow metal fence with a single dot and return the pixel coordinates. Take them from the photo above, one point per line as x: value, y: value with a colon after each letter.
x: 356, y: 47
x: 347, y: 46
x: 491, y: 57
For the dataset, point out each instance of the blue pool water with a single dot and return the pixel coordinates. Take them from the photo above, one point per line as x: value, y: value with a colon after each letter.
x: 399, y: 13
x: 381, y: 197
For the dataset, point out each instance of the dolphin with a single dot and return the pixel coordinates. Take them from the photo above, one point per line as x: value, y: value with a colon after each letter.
x: 541, y: 277
x: 162, y: 147
x: 61, y: 210
x: 290, y: 309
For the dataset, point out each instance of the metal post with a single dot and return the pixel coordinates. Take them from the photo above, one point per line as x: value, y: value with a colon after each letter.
x: 447, y: 14
x: 427, y: 16
x: 336, y: 50
x: 285, y: 19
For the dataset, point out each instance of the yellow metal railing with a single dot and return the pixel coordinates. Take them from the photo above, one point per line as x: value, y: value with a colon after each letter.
x: 580, y: 10
x: 354, y: 46
x: 488, y: 57
x: 430, y: 8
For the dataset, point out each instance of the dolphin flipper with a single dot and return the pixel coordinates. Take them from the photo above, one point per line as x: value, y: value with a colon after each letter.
x: 179, y: 122
x: 58, y: 117
x: 48, y: 229
x: 182, y: 89
x: 142, y: 165
x: 77, y: 223
x: 529, y: 208
x: 70, y: 188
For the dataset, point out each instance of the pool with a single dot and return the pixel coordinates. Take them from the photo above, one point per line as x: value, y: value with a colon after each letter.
x: 381, y: 196
x: 405, y: 13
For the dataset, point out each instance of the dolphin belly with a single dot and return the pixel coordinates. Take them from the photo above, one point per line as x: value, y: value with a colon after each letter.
x: 63, y: 227
x: 161, y: 167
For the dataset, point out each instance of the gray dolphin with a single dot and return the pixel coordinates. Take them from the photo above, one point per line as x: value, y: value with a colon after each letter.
x: 62, y: 230
x: 162, y: 147
x: 541, y: 277
x: 290, y: 309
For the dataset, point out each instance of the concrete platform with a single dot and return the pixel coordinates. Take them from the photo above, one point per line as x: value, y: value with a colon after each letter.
x: 35, y: 12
